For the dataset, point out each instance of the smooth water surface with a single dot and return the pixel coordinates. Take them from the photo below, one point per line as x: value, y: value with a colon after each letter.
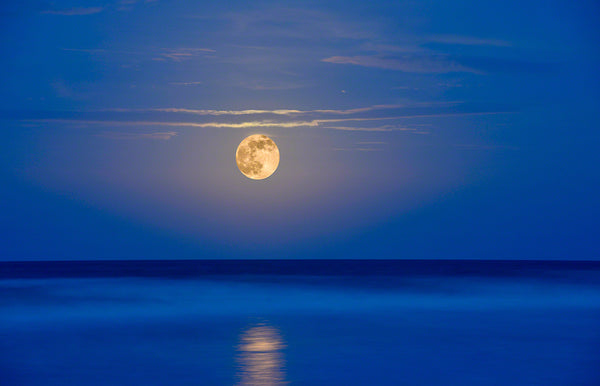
x: 526, y: 326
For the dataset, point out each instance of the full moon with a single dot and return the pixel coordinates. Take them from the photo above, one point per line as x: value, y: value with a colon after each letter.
x: 257, y: 157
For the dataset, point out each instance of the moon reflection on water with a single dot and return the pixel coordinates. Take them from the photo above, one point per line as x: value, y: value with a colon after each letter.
x: 261, y: 361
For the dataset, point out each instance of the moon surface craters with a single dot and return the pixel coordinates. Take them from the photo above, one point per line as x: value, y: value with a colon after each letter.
x: 257, y: 156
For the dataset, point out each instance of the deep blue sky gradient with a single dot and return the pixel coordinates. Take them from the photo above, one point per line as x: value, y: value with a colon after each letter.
x: 420, y: 129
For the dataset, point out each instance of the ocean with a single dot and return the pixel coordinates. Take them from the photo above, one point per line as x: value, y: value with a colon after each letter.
x: 309, y: 322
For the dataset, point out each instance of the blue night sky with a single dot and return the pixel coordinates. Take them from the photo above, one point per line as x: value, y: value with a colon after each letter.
x: 407, y: 129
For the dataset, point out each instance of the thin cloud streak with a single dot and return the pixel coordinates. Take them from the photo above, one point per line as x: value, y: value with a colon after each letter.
x: 211, y: 112
x: 86, y: 50
x: 484, y: 147
x: 407, y: 63
x: 280, y: 111
x: 468, y: 41
x: 164, y: 136
x: 181, y: 54
x: 347, y: 128
x: 440, y: 115
x: 186, y: 83
x: 77, y: 11
x: 268, y: 123
x: 385, y: 128
x: 181, y: 124
x: 366, y: 149
x: 156, y: 54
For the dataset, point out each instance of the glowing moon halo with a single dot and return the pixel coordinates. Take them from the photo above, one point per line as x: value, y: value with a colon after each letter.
x: 257, y: 157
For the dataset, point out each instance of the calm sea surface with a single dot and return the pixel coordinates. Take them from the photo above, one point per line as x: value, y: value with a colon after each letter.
x: 300, y: 323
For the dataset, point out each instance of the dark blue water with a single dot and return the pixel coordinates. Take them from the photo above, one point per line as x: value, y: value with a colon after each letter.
x: 300, y: 323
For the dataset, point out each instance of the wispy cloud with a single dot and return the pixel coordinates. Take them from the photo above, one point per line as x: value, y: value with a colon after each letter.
x: 406, y: 117
x: 348, y: 128
x: 77, y: 11
x: 413, y: 116
x: 181, y: 54
x: 421, y: 56
x: 468, y: 40
x: 323, y: 123
x: 153, y: 53
x: 484, y: 147
x: 164, y: 136
x: 122, y: 5
x: 407, y: 47
x: 291, y: 112
x: 186, y: 83
x: 405, y: 63
x: 366, y: 149
x: 272, y: 84
x: 210, y: 112
x: 417, y: 54
x: 86, y: 50
x: 384, y: 128
x: 366, y: 146
x: 183, y: 124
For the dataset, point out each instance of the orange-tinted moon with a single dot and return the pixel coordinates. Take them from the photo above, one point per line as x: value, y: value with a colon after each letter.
x: 257, y: 157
